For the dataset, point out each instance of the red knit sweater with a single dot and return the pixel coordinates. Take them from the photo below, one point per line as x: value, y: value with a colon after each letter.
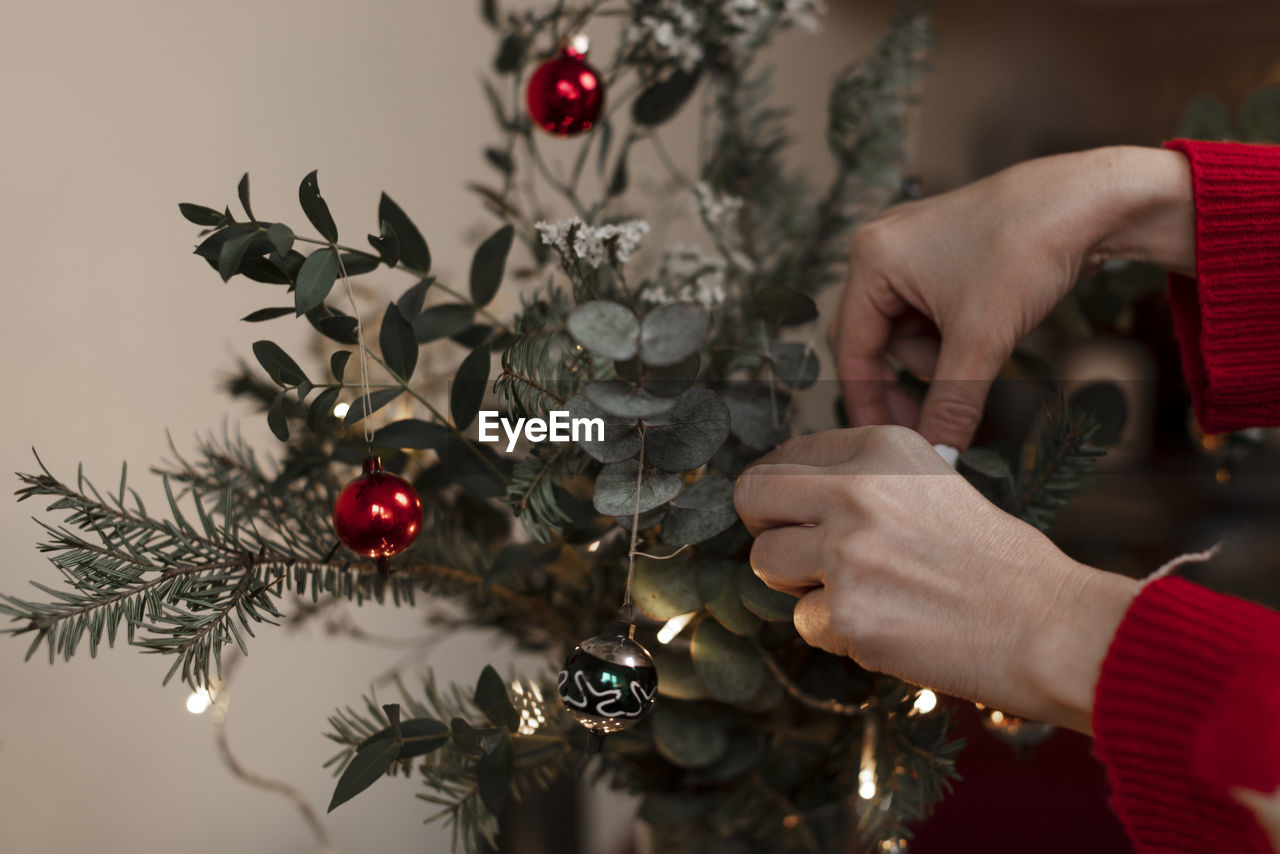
x: 1188, y: 703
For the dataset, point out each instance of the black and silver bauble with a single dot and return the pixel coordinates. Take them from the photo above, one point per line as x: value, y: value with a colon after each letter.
x: 609, y: 683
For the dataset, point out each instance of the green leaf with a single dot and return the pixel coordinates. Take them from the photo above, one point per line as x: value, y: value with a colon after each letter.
x: 314, y: 206
x: 277, y: 363
x: 663, y: 99
x: 467, y: 391
x: 665, y: 381
x: 688, y: 736
x: 625, y: 401
x: 514, y: 558
x: 491, y: 698
x: 315, y: 279
x: 1260, y: 115
x: 493, y: 776
x: 489, y: 263
x: 784, y: 306
x: 663, y: 589
x: 414, y: 253
x: 615, y: 489
x: 357, y: 263
x: 510, y: 54
x: 618, y: 183
x: 200, y: 215
x: 718, y: 586
x: 443, y: 321
x: 320, y: 412
x: 413, y: 433
x: 398, y: 344
x: 386, y: 245
x: 700, y: 512
x: 608, y: 329
x: 267, y: 314
x: 421, y: 736
x: 763, y: 601
x: 333, y: 324
x: 232, y: 254
x: 476, y: 468
x: 242, y: 190
x: 281, y: 237
x: 671, y: 333
x: 986, y: 462
x: 794, y: 364
x: 752, y: 417
x: 489, y: 12
x: 276, y: 420
x: 500, y: 160
x: 727, y: 663
x: 377, y: 400
x: 688, y: 434
x: 263, y: 270
x: 413, y: 299
x: 621, y: 440
x: 338, y: 364
x: 366, y: 767
x: 676, y: 676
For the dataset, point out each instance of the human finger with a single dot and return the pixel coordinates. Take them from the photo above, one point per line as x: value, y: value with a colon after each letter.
x: 769, y: 496
x: 789, y: 558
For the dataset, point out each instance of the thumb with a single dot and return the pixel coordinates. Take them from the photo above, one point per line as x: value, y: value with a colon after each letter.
x: 967, y: 365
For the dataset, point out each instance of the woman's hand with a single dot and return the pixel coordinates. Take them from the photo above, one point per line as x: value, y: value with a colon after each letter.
x: 981, y: 266
x: 904, y: 567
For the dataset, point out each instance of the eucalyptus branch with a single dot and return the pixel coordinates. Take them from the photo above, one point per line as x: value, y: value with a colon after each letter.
x: 802, y: 696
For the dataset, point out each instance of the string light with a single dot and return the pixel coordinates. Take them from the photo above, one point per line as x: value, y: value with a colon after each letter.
x: 528, y: 702
x: 926, y: 702
x: 341, y: 410
x: 674, y: 626
x: 199, y: 701
x: 867, y: 768
x: 594, y: 546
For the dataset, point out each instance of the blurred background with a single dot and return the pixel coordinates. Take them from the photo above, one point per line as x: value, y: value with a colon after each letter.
x: 114, y: 334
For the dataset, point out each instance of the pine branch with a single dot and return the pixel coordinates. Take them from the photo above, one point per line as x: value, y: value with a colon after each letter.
x: 1064, y: 459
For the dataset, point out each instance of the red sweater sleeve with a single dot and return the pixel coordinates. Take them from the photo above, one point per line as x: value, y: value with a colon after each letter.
x: 1228, y: 318
x: 1188, y: 706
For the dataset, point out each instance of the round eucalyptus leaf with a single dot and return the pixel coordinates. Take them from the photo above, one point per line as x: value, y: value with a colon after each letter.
x: 626, y: 401
x: 700, y: 512
x: 795, y: 364
x: 728, y: 664
x: 663, y: 589
x: 687, y: 736
x: 615, y: 489
x: 621, y: 440
x: 647, y: 519
x: 763, y: 601
x: 752, y: 415
x: 718, y: 587
x: 688, y: 434
x: 665, y: 380
x: 671, y: 333
x: 784, y: 306
x: 676, y: 676
x: 608, y: 329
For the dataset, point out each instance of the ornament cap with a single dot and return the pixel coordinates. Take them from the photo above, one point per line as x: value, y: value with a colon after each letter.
x: 372, y: 465
x: 575, y: 45
x: 595, y: 741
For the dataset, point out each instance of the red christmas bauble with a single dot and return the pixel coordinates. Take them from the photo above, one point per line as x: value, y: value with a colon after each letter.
x: 378, y: 514
x: 565, y: 94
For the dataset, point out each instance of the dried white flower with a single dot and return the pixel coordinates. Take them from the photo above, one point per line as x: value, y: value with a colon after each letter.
x: 591, y: 242
x: 689, y: 274
x: 667, y: 32
x: 715, y: 208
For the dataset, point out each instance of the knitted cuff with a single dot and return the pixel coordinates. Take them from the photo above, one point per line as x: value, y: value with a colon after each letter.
x: 1173, y: 668
x: 1228, y: 318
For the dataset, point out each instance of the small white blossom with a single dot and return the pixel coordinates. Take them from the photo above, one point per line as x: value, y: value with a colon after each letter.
x: 715, y: 208
x: 590, y: 243
x: 667, y: 32
x: 689, y: 274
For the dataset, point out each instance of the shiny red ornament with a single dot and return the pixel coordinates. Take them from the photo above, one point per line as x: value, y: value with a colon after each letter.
x: 565, y: 94
x: 378, y: 514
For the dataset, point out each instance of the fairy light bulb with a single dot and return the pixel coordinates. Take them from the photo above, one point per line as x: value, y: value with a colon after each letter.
x: 926, y: 702
x: 199, y: 701
x: 674, y: 626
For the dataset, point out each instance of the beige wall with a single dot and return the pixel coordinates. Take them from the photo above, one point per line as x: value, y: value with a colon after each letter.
x: 113, y: 332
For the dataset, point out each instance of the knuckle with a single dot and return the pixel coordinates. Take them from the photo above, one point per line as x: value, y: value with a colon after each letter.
x: 875, y: 240
x: 955, y: 414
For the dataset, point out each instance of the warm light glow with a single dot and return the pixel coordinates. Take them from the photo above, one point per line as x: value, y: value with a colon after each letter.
x: 529, y: 704
x: 1223, y: 475
x: 587, y: 80
x: 674, y: 626
x: 199, y: 701
x: 866, y: 789
x: 341, y: 410
x: 579, y: 43
x: 402, y: 499
x: 997, y: 717
x: 926, y: 701
x: 791, y: 821
x: 593, y: 546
